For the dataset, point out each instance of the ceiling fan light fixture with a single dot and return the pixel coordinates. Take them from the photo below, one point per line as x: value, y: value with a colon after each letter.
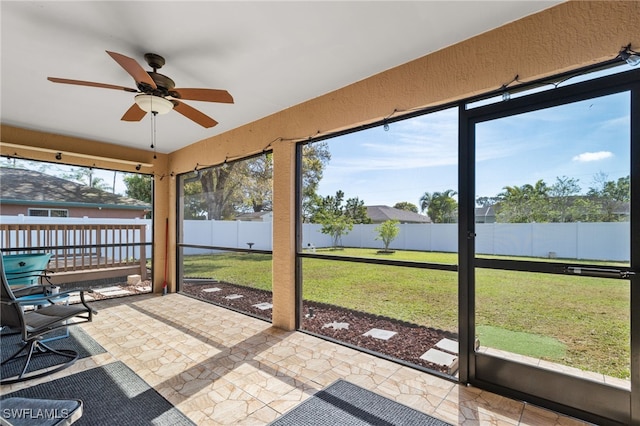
x: 150, y: 103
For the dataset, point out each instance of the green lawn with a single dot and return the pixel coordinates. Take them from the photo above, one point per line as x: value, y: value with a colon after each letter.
x: 576, y: 321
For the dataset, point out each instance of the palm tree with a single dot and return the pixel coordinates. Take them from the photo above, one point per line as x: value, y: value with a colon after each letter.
x: 526, y: 203
x: 440, y: 206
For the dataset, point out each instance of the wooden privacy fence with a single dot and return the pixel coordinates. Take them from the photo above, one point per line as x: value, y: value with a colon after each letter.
x: 81, y: 251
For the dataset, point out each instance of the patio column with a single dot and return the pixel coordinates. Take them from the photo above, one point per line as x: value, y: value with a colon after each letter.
x: 284, y: 294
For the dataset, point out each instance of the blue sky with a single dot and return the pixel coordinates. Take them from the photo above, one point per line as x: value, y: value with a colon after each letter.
x: 420, y: 154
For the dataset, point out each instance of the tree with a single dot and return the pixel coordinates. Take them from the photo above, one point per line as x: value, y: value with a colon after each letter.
x: 257, y: 190
x: 609, y: 196
x: 562, y: 198
x: 247, y: 185
x: 523, y: 204
x: 85, y: 176
x: 407, y: 206
x: 138, y: 187
x: 315, y: 157
x: 194, y: 205
x: 336, y: 216
x: 387, y: 232
x: 221, y: 190
x: 440, y: 206
x: 486, y: 201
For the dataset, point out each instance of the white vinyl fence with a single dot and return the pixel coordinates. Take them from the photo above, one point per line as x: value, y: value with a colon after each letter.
x: 595, y: 241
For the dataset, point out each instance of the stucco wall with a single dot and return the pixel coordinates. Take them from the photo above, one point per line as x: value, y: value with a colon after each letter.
x: 16, y: 209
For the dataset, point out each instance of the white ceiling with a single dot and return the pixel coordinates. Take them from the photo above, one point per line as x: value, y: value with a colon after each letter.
x: 269, y: 55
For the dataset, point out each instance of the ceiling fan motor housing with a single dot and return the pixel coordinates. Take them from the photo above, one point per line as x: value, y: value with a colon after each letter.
x: 164, y: 84
x: 157, y: 92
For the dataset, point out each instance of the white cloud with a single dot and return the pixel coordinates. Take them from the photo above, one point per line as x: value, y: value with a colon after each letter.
x: 586, y: 157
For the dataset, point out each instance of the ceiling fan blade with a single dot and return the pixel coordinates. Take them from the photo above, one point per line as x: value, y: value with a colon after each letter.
x: 133, y: 68
x: 135, y: 113
x: 194, y: 115
x: 207, y: 95
x: 91, y: 83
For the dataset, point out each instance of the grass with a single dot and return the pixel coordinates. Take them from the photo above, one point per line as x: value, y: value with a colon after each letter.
x: 587, y: 317
x: 519, y: 342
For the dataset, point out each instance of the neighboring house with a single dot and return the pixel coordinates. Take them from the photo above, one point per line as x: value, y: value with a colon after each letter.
x: 379, y: 214
x: 256, y: 217
x: 486, y: 214
x: 37, y: 194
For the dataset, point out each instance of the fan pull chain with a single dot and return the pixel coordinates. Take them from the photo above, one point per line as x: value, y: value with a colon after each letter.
x: 152, y: 131
x: 153, y: 140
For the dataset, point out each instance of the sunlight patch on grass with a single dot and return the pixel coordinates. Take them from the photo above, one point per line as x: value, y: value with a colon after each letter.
x: 519, y: 342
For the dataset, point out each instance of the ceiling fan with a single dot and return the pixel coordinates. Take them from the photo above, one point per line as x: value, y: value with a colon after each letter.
x: 157, y: 92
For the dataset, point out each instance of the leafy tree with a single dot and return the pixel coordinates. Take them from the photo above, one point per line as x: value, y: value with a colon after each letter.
x: 605, y: 201
x: 336, y: 226
x: 194, y: 205
x: 247, y: 185
x: 486, y: 201
x: 257, y: 190
x: 407, y: 206
x: 522, y: 204
x: 315, y: 157
x: 336, y: 216
x: 387, y: 232
x: 440, y: 206
x: 608, y: 197
x: 562, y: 196
x: 221, y: 187
x: 139, y: 187
x: 85, y: 176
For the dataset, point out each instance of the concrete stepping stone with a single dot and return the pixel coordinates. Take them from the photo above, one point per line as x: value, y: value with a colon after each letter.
x: 441, y: 358
x: 337, y: 325
x: 234, y: 296
x: 118, y: 292
x: 378, y: 333
x: 211, y: 290
x: 263, y: 306
x: 103, y: 290
x: 448, y: 345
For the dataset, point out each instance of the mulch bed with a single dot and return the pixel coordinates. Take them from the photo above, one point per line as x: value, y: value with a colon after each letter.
x: 410, y: 342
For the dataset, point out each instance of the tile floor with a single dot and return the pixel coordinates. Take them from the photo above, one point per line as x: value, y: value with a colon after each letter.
x: 221, y: 367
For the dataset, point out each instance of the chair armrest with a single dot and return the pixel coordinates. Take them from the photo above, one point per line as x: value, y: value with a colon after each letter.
x: 28, y: 289
x: 50, y: 298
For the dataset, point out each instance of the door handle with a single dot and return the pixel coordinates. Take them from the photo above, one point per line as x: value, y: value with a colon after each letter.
x: 599, y: 272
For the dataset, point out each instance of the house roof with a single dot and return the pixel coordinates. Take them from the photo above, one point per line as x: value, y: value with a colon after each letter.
x: 252, y: 215
x: 382, y: 213
x: 485, y: 211
x: 19, y: 186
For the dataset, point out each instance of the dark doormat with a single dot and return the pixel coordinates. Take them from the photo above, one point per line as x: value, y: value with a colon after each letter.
x: 345, y: 404
x: 112, y: 395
